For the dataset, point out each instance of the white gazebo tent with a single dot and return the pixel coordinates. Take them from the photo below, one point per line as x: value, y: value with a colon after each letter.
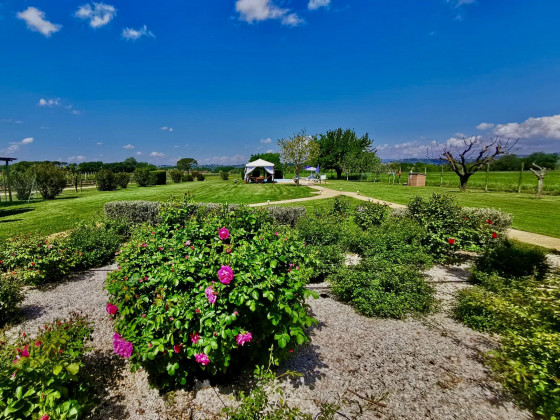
x: 259, y: 163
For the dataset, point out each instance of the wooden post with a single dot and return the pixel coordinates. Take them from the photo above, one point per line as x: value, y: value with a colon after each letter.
x: 8, y: 180
x: 487, y: 169
x: 520, y: 178
x: 441, y: 177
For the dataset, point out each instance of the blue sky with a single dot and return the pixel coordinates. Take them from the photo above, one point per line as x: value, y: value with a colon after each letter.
x: 219, y: 80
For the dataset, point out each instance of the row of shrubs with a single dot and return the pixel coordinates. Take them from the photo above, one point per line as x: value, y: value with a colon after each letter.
x: 393, y: 247
x: 517, y: 296
x: 37, y: 260
x: 47, y: 178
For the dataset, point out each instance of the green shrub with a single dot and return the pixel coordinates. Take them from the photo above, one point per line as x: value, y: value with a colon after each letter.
x: 224, y: 175
x: 378, y: 288
x: 200, y: 177
x: 529, y: 366
x: 45, y: 376
x: 500, y: 221
x: 35, y: 260
x: 93, y: 244
x: 11, y: 295
x: 327, y: 259
x: 160, y: 177
x: 370, y: 214
x: 136, y: 211
x: 188, y: 178
x: 526, y: 311
x: 286, y: 215
x: 512, y: 259
x: 176, y: 175
x: 105, y: 180
x: 450, y: 228
x: 23, y: 182
x: 51, y: 180
x: 168, y: 278
x: 122, y: 179
x: 143, y: 177
x: 321, y: 229
x: 340, y: 206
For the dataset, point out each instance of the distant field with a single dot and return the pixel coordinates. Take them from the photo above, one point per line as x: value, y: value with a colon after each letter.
x: 529, y: 214
x: 497, y: 181
x: 50, y: 216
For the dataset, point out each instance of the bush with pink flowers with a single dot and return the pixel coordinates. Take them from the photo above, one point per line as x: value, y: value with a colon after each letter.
x: 206, y: 292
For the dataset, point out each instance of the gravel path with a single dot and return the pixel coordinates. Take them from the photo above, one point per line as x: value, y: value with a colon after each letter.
x: 414, y: 369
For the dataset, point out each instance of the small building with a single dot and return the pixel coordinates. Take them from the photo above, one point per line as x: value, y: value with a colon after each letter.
x: 416, y: 180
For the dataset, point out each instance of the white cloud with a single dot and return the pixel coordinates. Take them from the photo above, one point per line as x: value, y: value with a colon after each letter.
x: 157, y: 154
x: 459, y: 3
x: 165, y: 128
x: 14, y: 146
x: 99, y: 15
x: 268, y: 140
x: 270, y: 151
x: 131, y: 34
x: 224, y: 160
x: 543, y: 127
x: 51, y: 103
x: 99, y: 143
x: 35, y: 20
x: 128, y: 147
x: 79, y: 158
x: 139, y: 153
x: 76, y: 112
x: 316, y: 4
x: 260, y: 10
x: 484, y: 126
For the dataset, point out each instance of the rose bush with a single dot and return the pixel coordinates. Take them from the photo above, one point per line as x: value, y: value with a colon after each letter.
x: 205, y: 291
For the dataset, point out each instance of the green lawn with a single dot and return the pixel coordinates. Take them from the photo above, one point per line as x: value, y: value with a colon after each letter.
x: 539, y: 216
x: 50, y: 216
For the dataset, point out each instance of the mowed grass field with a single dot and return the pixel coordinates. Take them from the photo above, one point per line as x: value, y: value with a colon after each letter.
x: 529, y: 214
x: 51, y: 216
x: 497, y: 181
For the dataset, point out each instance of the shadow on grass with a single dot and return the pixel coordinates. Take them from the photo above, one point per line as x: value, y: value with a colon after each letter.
x: 10, y: 220
x: 13, y: 212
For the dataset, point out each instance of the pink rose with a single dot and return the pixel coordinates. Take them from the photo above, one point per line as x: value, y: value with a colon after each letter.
x: 122, y: 347
x: 111, y: 309
x: 225, y: 274
x: 195, y: 337
x: 210, y: 295
x: 243, y: 338
x: 202, y: 359
x: 223, y: 233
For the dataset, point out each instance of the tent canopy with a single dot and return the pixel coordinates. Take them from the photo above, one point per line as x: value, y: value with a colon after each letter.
x: 260, y: 163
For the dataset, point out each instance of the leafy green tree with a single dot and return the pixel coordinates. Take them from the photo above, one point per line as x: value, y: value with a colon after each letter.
x: 269, y: 157
x: 509, y: 162
x: 548, y: 160
x: 299, y: 150
x: 51, y: 180
x: 89, y: 167
x: 186, y: 164
x: 337, y: 145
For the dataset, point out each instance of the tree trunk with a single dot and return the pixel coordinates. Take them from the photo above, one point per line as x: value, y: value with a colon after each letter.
x: 338, y: 173
x: 539, y: 188
x: 463, y: 179
x: 297, y: 176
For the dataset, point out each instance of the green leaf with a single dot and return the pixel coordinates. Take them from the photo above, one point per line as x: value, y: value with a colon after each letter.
x: 73, y: 368
x: 57, y: 369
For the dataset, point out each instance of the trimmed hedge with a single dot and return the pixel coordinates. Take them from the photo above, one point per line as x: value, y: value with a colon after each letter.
x: 122, y: 179
x: 105, y: 180
x: 147, y: 211
x: 133, y: 211
x: 286, y: 215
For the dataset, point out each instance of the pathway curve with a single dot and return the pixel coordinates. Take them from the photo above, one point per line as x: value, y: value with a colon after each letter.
x: 325, y: 192
x: 415, y: 369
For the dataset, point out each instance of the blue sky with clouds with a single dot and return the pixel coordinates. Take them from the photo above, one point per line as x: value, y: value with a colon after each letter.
x: 219, y: 80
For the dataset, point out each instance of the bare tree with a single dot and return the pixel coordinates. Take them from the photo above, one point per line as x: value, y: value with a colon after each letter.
x: 540, y: 173
x: 468, y: 155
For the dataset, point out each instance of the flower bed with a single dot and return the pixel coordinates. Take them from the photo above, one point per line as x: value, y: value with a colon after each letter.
x: 205, y: 291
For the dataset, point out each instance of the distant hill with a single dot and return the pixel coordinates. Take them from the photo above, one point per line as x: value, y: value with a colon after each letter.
x: 414, y: 160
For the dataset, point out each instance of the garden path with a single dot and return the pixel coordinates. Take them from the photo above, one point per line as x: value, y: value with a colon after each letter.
x: 420, y: 368
x: 519, y: 235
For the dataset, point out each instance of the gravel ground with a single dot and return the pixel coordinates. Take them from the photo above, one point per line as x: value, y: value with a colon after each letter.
x: 415, y: 369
